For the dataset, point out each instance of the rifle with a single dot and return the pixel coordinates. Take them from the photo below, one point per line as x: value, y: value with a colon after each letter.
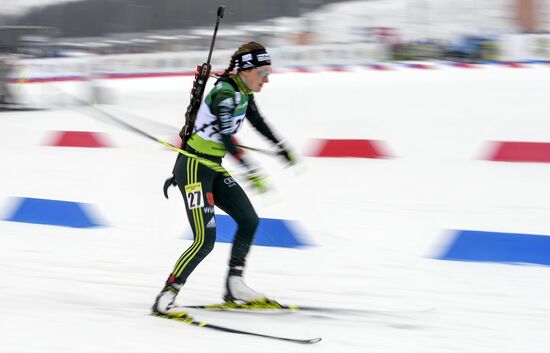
x: 197, y: 92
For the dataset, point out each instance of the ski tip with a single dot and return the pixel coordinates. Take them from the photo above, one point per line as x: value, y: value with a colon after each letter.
x: 315, y: 340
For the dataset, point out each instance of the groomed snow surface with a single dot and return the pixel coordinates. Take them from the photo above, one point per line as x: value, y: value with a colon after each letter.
x: 377, y: 225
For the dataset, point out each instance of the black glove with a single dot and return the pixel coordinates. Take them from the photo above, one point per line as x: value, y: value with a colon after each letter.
x: 286, y: 154
x: 167, y: 183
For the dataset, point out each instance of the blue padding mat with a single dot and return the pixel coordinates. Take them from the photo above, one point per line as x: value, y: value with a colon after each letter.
x: 270, y: 232
x: 52, y: 212
x: 469, y: 245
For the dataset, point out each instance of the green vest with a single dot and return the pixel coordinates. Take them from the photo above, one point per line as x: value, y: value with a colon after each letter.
x: 222, y: 111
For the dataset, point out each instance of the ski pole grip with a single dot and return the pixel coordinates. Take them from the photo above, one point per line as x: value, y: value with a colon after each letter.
x: 221, y: 9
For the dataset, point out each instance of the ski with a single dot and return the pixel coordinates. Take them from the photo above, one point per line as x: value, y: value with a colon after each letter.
x: 229, y: 306
x: 274, y: 306
x: 190, y: 321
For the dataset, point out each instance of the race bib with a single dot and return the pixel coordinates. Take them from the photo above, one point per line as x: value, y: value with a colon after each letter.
x: 193, y: 194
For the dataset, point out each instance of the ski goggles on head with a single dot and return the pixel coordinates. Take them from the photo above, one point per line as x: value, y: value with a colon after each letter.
x: 256, y: 58
x: 264, y: 71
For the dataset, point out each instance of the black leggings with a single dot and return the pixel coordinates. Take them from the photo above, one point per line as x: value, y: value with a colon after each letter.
x: 201, y: 188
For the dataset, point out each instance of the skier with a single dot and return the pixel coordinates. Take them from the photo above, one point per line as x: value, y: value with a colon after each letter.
x: 220, y: 116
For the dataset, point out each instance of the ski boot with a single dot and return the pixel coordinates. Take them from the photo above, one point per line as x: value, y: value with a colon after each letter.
x: 239, y: 295
x: 164, y: 303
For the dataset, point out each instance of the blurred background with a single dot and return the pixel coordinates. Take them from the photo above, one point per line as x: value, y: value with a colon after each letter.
x: 399, y: 29
x: 171, y: 36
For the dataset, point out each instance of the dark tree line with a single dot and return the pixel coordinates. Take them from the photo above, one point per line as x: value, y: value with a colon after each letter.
x: 97, y: 17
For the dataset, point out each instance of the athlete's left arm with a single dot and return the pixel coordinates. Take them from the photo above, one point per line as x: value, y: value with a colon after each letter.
x: 253, y: 115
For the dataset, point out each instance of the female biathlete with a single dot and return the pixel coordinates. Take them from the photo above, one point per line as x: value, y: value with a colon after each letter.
x: 220, y: 116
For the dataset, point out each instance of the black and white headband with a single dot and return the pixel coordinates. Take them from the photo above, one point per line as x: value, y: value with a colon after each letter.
x: 252, y: 59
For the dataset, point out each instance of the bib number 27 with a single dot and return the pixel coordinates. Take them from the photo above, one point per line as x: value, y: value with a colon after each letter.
x: 193, y: 194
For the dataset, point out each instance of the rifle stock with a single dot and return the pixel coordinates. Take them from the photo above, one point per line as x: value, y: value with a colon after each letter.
x: 197, y: 93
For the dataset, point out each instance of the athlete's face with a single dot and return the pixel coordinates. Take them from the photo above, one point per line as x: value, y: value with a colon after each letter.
x: 256, y: 77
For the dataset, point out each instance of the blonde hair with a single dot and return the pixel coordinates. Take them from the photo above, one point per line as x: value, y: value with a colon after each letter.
x: 245, y: 48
